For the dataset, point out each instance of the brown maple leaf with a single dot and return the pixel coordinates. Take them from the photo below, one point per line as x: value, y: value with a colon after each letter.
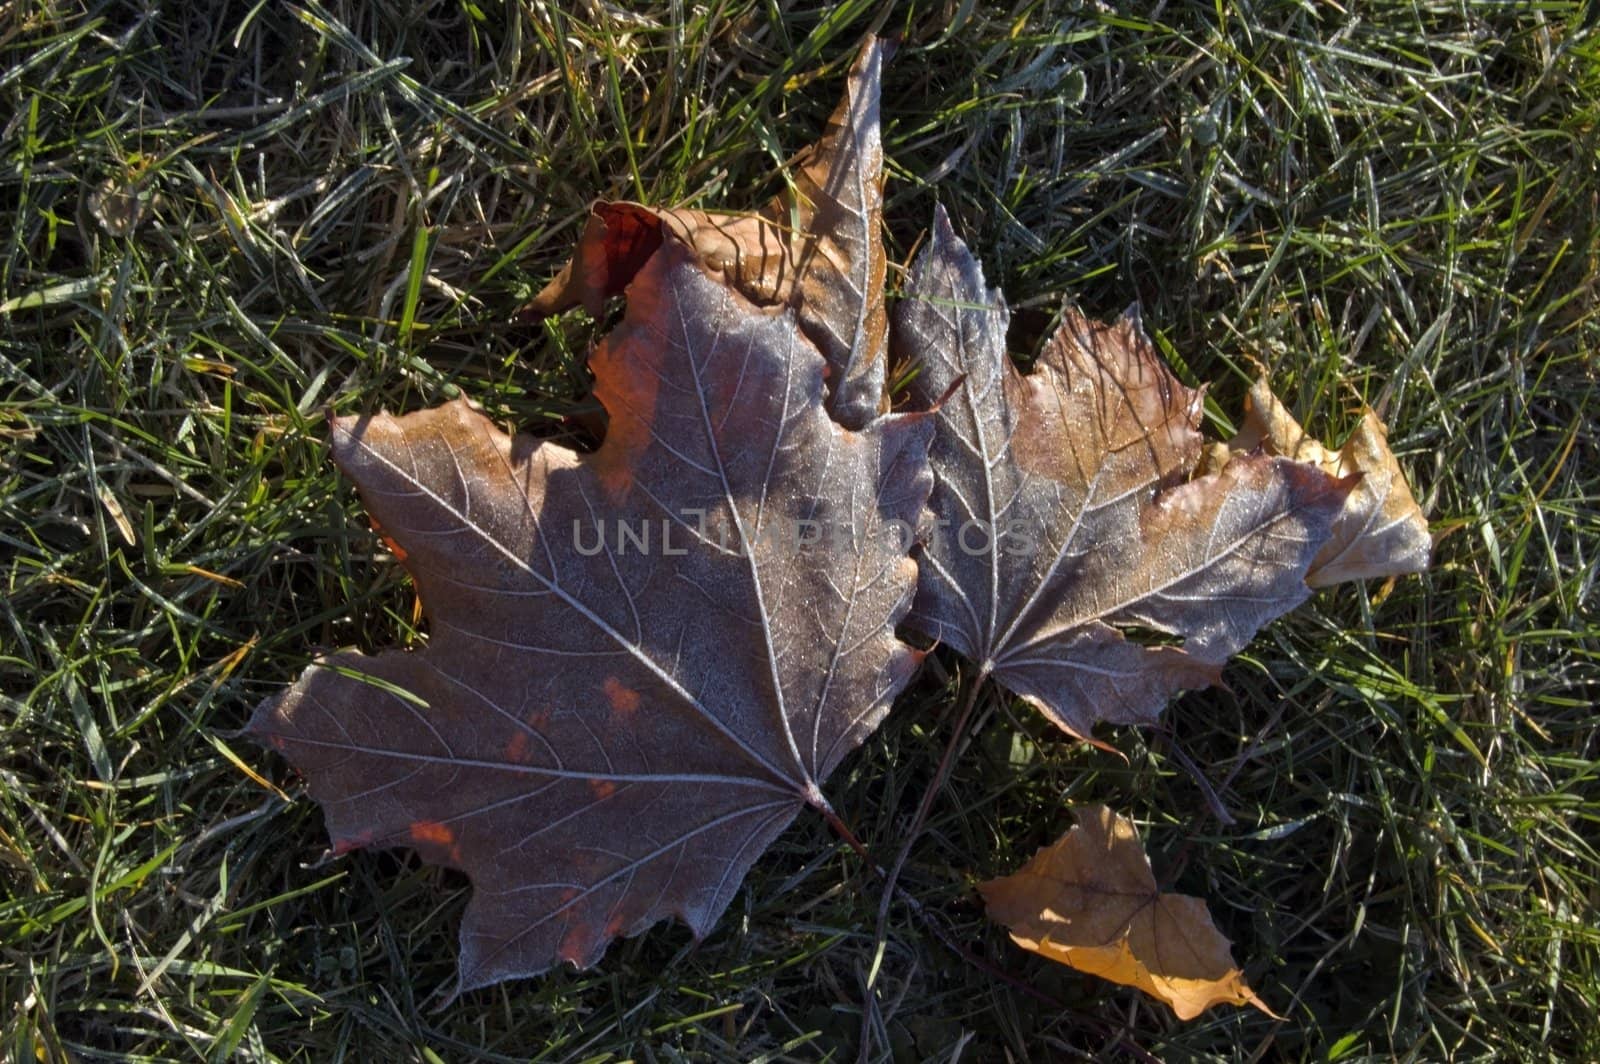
x: 641, y: 662
x: 1089, y: 900
x: 817, y: 247
x: 1073, y: 557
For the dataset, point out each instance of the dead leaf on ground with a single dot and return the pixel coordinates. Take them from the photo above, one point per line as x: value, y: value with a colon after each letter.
x: 1381, y: 531
x: 1090, y: 901
x: 605, y: 732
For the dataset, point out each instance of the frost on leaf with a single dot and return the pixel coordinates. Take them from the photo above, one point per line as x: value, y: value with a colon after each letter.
x: 1089, y: 900
x: 641, y: 662
x: 1074, y: 557
x: 816, y: 248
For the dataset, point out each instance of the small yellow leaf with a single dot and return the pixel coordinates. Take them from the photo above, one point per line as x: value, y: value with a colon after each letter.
x: 1091, y: 902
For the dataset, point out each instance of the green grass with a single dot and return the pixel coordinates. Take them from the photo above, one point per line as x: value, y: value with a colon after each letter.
x: 218, y: 223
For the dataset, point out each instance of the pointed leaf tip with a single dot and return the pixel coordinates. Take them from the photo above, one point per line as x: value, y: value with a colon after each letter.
x: 1380, y: 530
x: 816, y: 248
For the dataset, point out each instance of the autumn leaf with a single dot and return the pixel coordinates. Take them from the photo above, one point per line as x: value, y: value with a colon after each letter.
x: 641, y: 662
x: 816, y: 248
x: 1380, y: 531
x: 1090, y: 901
x: 1073, y: 557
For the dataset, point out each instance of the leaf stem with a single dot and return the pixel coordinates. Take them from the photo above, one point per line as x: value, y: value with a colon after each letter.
x: 969, y: 702
x: 850, y: 838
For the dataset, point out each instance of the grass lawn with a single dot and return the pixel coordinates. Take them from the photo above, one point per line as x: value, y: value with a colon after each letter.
x: 220, y: 219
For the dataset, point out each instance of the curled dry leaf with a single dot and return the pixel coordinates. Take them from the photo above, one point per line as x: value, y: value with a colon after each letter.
x: 1381, y: 531
x: 1089, y: 900
x: 641, y: 662
x: 1073, y: 558
x: 817, y: 247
